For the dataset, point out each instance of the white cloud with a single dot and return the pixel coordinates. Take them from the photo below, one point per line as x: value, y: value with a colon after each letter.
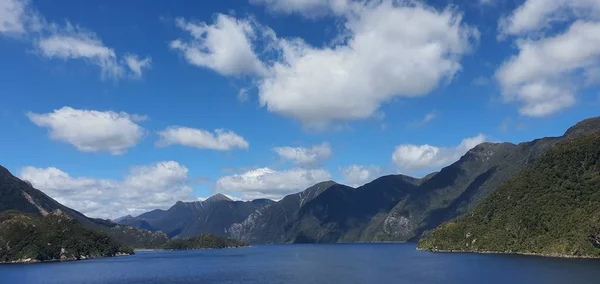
x: 392, y: 50
x: 410, y: 158
x: 536, y: 15
x: 305, y: 156
x: 427, y: 119
x: 309, y: 8
x: 547, y: 73
x: 68, y: 42
x: 73, y: 42
x: 386, y: 49
x: 222, y: 140
x: 12, y: 16
x: 243, y: 95
x: 91, y: 130
x: 137, y: 65
x: 268, y: 183
x: 357, y: 175
x: 145, y: 188
x: 225, y: 47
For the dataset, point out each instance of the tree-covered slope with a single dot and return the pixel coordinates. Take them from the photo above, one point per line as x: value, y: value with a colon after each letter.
x: 552, y: 207
x: 204, y: 241
x: 56, y: 236
x: 20, y: 196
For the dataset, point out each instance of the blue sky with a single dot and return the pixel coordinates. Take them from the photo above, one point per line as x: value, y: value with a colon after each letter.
x: 149, y: 102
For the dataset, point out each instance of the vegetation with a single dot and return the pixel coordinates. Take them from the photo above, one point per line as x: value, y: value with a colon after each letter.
x: 28, y: 238
x: 136, y: 238
x: 552, y: 208
x: 204, y: 241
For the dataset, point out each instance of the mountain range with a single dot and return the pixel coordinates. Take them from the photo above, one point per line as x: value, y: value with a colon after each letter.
x: 393, y: 208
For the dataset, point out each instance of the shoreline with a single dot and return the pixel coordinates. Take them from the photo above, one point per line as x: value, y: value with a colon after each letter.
x: 36, y: 261
x: 546, y: 255
x: 148, y: 250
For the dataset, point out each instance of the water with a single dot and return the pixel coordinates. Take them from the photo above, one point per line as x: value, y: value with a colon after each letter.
x: 357, y: 263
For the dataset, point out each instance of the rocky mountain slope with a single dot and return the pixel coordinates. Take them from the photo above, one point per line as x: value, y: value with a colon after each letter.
x: 551, y: 208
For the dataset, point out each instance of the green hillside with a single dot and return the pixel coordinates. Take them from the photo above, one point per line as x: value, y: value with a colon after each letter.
x: 28, y: 238
x: 552, y: 207
x: 204, y: 241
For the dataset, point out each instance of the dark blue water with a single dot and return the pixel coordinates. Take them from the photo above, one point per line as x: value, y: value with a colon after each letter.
x: 360, y: 263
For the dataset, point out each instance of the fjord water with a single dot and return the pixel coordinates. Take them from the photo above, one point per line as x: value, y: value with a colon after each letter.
x: 352, y: 263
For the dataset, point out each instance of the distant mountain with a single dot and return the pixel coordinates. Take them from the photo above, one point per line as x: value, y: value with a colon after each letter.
x: 189, y: 219
x: 53, y: 237
x: 135, y: 223
x: 17, y: 195
x: 268, y: 224
x: 551, y: 208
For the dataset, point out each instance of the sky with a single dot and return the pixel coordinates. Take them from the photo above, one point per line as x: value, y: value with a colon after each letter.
x: 120, y: 107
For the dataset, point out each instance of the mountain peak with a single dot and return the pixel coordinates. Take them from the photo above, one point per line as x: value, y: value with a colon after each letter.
x: 584, y: 127
x: 218, y: 197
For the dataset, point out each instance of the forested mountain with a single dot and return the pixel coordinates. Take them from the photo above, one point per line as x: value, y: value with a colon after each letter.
x: 552, y: 207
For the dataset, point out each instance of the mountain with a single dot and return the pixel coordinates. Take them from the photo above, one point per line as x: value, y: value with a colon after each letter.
x: 342, y: 213
x: 267, y: 224
x: 17, y: 195
x: 458, y: 188
x: 189, y: 219
x: 55, y: 236
x: 550, y: 208
x: 396, y: 208
x: 135, y: 223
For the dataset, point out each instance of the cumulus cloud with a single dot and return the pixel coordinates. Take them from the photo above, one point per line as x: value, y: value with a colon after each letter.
x: 548, y: 71
x: 392, y: 50
x: 91, y: 130
x: 386, y: 49
x: 269, y: 183
x: 410, y: 158
x: 536, y: 15
x: 225, y: 47
x: 221, y: 139
x: 145, y: 188
x: 305, y: 156
x: 357, y: 175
